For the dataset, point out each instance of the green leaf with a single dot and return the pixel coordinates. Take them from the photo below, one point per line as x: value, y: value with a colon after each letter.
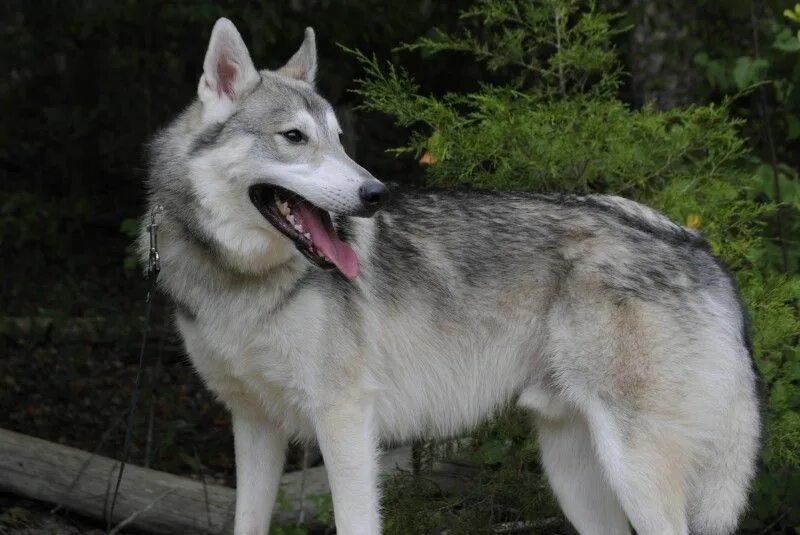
x: 786, y: 40
x: 748, y: 71
x: 792, y: 126
x: 793, y: 15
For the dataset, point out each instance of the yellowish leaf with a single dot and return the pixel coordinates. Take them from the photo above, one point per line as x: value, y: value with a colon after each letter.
x: 694, y: 221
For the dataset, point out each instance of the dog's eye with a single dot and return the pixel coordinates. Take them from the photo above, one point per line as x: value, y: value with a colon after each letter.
x: 294, y: 136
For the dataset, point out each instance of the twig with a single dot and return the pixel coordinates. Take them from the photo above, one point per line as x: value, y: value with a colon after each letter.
x: 521, y: 526
x: 133, y: 515
x: 227, y: 526
x: 416, y: 457
x: 85, y: 465
x: 773, y: 523
x: 106, y: 512
x: 561, y: 85
x: 767, y: 123
x: 526, y: 527
x: 205, y: 488
x: 301, y: 515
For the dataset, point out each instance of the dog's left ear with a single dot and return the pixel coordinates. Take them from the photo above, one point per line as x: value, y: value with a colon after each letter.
x: 303, y: 65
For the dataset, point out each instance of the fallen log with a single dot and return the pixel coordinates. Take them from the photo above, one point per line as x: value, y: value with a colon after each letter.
x: 83, y: 482
x: 156, y: 501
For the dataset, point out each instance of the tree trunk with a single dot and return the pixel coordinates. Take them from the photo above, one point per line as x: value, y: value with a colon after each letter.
x: 661, y: 58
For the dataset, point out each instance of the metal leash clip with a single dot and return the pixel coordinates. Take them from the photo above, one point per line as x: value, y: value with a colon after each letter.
x: 153, y: 261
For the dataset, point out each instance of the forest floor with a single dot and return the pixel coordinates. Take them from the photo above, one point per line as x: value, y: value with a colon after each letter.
x: 68, y: 378
x: 19, y: 516
x: 70, y: 381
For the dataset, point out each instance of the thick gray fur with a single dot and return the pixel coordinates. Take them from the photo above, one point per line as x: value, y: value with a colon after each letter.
x: 617, y: 328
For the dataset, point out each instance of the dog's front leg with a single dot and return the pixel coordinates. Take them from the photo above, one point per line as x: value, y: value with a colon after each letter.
x: 349, y: 447
x: 260, y: 454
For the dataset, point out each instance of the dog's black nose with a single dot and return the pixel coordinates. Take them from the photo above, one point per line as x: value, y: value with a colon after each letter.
x: 373, y: 193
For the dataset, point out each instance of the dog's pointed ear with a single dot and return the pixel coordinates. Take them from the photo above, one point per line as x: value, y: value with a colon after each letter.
x: 228, y: 71
x: 303, y: 65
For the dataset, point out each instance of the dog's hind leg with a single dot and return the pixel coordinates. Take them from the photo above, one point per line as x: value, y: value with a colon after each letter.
x: 576, y: 477
x: 647, y: 467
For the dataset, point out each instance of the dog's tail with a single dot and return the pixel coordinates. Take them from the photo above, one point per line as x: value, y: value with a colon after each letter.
x: 723, y: 475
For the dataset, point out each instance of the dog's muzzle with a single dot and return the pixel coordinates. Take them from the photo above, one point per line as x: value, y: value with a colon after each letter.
x: 373, y: 195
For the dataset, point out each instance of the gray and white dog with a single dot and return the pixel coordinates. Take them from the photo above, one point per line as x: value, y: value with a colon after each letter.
x: 616, y: 328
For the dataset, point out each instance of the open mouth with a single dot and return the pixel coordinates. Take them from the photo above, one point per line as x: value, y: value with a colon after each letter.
x: 308, y: 226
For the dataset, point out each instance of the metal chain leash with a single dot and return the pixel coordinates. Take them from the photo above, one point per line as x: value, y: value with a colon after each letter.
x: 153, y: 269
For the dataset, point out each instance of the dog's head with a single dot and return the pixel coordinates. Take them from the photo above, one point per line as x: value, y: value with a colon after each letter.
x: 265, y: 163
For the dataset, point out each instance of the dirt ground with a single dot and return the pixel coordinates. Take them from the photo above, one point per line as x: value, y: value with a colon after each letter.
x: 69, y: 380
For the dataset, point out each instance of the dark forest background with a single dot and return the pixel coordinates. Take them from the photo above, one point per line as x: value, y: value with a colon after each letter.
x: 86, y: 83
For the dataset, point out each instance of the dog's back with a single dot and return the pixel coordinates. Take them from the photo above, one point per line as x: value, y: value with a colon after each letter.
x: 594, y: 310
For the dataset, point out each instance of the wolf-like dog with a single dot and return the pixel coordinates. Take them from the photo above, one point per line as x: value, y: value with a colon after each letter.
x: 313, y: 321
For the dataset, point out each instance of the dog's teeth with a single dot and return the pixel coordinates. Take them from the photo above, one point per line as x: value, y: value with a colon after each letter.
x: 307, y: 235
x: 283, y: 208
x: 290, y: 218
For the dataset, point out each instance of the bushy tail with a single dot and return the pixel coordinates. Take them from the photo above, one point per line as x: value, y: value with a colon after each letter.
x: 724, y: 474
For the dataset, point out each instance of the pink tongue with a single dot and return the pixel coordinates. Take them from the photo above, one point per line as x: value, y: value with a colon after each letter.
x: 338, y: 252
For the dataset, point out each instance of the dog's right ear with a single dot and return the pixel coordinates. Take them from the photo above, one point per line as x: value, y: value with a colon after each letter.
x: 228, y: 71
